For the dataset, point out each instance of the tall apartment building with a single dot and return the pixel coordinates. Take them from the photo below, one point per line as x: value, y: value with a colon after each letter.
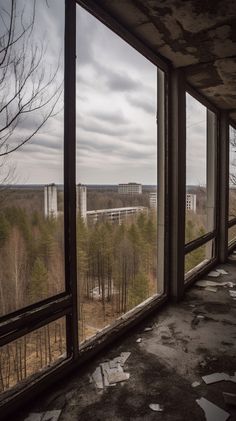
x: 50, y: 201
x: 130, y: 188
x: 153, y: 200
x: 191, y: 202
x: 81, y: 200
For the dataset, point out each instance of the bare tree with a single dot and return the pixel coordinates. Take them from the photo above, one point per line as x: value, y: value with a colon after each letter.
x: 27, y: 88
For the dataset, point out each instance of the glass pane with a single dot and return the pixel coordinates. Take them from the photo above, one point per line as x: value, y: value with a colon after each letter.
x: 117, y: 166
x: 232, y: 234
x: 232, y: 172
x: 198, y: 258
x: 31, y: 353
x: 31, y: 205
x: 196, y: 169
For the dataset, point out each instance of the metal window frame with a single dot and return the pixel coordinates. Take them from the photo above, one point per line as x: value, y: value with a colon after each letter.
x: 231, y: 222
x: 28, y: 319
x: 212, y: 138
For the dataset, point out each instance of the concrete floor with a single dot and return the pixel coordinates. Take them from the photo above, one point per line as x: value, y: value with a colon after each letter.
x: 176, y: 352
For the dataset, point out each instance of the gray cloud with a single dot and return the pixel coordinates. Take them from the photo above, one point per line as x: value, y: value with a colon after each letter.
x: 114, y: 117
x: 140, y: 102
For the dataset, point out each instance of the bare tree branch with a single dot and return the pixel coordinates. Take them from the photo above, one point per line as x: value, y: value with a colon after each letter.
x: 27, y: 87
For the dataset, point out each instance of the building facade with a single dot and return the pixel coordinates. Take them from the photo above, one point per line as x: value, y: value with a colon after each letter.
x: 191, y: 202
x: 153, y: 200
x: 130, y: 188
x: 116, y: 215
x: 81, y: 200
x: 50, y: 201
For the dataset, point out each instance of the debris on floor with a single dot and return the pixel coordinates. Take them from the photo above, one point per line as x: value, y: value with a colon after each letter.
x: 213, y: 274
x: 212, y: 411
x: 139, y: 340
x: 148, y: 329
x: 222, y: 271
x: 111, y: 372
x: 215, y: 378
x: 218, y: 377
x: 97, y: 378
x: 205, y: 283
x: 196, y: 384
x: 229, y: 398
x: 156, y: 407
x: 232, y: 293
x: 44, y: 416
x: 211, y: 289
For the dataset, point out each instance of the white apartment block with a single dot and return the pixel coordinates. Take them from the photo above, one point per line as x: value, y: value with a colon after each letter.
x: 81, y: 200
x: 50, y: 201
x: 130, y: 188
x: 191, y: 202
x: 153, y: 200
x: 117, y: 215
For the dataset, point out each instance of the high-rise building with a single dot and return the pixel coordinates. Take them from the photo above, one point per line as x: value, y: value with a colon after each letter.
x: 153, y: 200
x: 130, y: 188
x: 50, y: 201
x: 191, y: 202
x: 81, y: 200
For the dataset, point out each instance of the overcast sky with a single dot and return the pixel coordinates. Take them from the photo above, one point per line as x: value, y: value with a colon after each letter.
x: 116, y: 110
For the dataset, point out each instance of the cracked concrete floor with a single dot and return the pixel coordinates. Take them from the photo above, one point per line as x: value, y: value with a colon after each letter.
x: 180, y: 348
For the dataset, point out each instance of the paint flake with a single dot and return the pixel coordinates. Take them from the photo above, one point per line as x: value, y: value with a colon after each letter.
x: 212, y: 411
x: 213, y: 274
x: 215, y: 378
x: 156, y: 407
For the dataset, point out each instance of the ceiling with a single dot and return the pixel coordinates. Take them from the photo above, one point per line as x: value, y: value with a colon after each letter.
x: 197, y: 36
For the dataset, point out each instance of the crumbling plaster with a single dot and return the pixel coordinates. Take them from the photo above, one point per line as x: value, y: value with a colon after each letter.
x: 197, y: 36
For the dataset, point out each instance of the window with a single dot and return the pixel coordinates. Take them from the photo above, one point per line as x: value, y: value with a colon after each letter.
x: 31, y: 194
x: 118, y: 199
x: 200, y: 197
x: 232, y: 173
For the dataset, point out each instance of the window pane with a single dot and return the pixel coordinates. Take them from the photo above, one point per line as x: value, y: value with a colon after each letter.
x: 232, y: 234
x: 117, y: 166
x: 31, y: 214
x: 196, y: 169
x: 198, y: 258
x: 232, y: 172
x: 32, y: 353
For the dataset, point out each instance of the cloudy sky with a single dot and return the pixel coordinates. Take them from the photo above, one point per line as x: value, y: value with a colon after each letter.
x: 116, y: 110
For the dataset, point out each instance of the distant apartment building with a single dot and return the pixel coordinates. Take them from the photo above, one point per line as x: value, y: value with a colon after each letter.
x: 130, y: 188
x: 153, y: 200
x: 191, y: 202
x: 81, y: 200
x: 116, y: 215
x: 50, y: 201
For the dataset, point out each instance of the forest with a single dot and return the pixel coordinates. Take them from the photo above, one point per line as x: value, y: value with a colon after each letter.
x: 116, y: 270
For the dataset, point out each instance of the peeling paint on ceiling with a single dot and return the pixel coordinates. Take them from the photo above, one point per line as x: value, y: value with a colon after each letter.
x: 197, y: 36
